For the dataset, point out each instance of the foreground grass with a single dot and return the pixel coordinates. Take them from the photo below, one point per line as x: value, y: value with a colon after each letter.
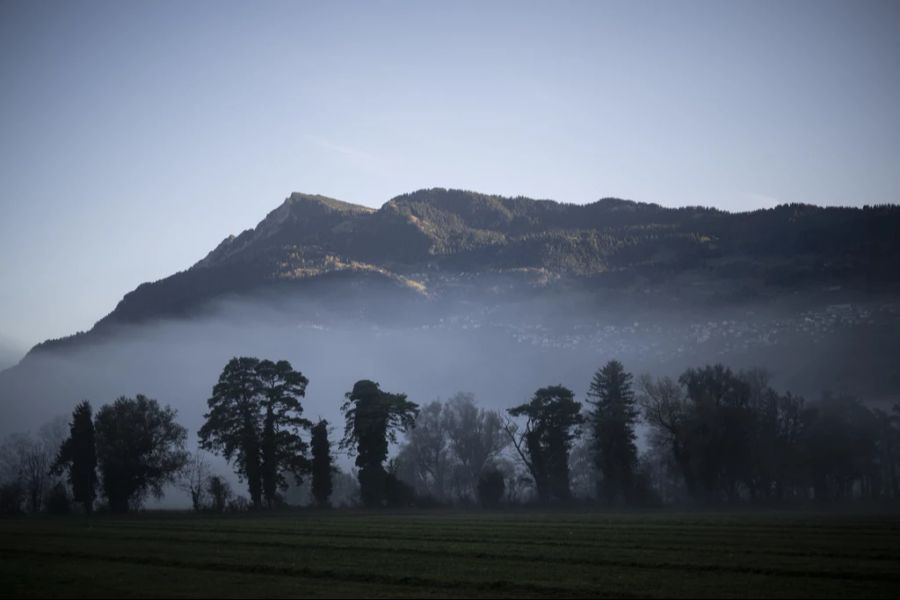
x: 441, y: 554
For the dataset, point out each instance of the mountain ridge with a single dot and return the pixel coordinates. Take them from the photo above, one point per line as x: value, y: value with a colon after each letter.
x: 420, y: 240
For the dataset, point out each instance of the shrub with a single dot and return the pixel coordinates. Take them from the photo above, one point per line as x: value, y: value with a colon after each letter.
x: 491, y: 486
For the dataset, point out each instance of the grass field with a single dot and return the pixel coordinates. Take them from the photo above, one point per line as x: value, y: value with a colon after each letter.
x: 448, y: 554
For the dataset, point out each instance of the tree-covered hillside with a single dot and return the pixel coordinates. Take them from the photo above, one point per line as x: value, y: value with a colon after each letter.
x: 430, y: 242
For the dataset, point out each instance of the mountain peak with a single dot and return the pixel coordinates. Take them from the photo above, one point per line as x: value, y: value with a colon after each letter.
x: 301, y: 200
x: 306, y: 215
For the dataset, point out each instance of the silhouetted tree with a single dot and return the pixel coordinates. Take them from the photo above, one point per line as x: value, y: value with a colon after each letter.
x: 283, y: 449
x: 321, y: 464
x: 26, y: 464
x: 475, y: 437
x: 491, y: 486
x: 194, y: 478
x: 255, y: 420
x: 238, y: 504
x: 78, y: 457
x: 840, y: 448
x: 449, y: 446
x: 584, y: 477
x: 34, y: 466
x: 57, y: 502
x: 12, y: 472
x: 373, y: 418
x: 667, y: 412
x: 552, y: 417
x: 219, y: 492
x: 425, y: 459
x: 731, y: 435
x: 719, y: 435
x: 140, y: 448
x: 776, y: 427
x: 398, y: 493
x: 234, y: 422
x: 612, y: 422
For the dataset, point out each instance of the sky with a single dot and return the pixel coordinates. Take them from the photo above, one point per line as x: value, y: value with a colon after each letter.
x: 134, y: 137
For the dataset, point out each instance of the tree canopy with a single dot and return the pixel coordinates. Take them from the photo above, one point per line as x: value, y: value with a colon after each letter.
x: 373, y: 419
x: 612, y: 422
x: 551, y: 421
x: 140, y: 449
x: 78, y: 456
x: 255, y: 420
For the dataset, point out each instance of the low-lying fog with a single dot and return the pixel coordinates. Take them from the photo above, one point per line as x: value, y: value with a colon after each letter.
x: 500, y: 356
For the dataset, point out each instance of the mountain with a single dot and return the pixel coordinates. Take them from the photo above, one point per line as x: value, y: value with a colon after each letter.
x: 426, y: 240
x: 439, y: 277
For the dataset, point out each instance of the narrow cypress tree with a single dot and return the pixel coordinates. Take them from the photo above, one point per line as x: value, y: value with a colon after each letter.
x: 612, y: 424
x: 78, y: 456
x: 321, y: 464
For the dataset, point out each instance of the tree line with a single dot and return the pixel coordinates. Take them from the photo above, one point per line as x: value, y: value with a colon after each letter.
x: 713, y: 436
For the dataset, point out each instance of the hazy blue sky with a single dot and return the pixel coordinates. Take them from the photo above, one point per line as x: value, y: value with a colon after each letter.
x: 135, y: 136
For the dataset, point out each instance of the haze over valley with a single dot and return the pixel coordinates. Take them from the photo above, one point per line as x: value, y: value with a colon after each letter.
x: 418, y: 293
